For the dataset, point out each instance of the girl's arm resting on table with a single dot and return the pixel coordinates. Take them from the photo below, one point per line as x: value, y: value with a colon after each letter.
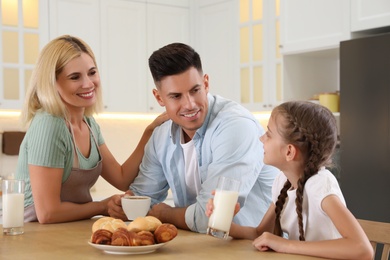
x: 354, y: 244
x: 46, y: 190
x: 121, y: 176
x: 266, y: 224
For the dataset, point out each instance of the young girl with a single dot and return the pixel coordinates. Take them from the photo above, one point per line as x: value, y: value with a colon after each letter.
x: 308, y: 207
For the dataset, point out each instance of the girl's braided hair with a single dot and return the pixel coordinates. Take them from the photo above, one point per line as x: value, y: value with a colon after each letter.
x: 312, y: 129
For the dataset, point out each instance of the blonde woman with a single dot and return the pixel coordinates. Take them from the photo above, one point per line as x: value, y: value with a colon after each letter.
x: 63, y: 152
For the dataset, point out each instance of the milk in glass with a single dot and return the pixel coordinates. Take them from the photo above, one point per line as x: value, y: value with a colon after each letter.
x: 225, y: 202
x: 13, y: 207
x: 13, y: 210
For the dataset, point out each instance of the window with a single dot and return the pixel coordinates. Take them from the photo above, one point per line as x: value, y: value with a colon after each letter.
x: 19, y: 48
x: 260, y: 58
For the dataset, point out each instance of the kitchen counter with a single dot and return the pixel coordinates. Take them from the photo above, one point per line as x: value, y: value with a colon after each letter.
x: 69, y: 241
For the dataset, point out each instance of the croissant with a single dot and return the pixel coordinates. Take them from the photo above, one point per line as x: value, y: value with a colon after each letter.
x: 101, y: 236
x: 144, y: 238
x: 123, y: 237
x: 165, y: 232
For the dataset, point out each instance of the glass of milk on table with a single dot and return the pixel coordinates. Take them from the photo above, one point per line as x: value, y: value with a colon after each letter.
x: 225, y: 200
x: 13, y: 207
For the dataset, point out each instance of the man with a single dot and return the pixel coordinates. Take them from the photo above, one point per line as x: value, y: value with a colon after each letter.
x: 207, y: 137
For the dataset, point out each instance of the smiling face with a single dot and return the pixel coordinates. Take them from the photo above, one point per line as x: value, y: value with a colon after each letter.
x: 77, y: 83
x: 185, y: 99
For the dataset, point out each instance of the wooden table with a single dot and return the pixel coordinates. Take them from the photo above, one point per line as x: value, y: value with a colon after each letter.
x: 69, y: 241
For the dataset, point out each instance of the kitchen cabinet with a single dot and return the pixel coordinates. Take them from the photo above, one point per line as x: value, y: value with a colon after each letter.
x: 260, y: 59
x: 124, y: 66
x: 369, y: 14
x: 224, y: 37
x: 216, y: 41
x: 22, y: 34
x: 78, y: 18
x: 128, y: 83
x: 306, y: 75
x: 314, y: 25
x: 165, y: 24
x: 123, y: 34
x: 311, y: 34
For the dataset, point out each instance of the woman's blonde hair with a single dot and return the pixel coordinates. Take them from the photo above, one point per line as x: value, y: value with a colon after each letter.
x: 42, y: 92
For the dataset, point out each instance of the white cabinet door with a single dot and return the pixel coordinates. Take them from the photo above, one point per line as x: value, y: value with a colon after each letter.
x: 123, y: 34
x: 217, y: 43
x: 165, y: 24
x: 369, y: 14
x: 124, y: 65
x: 78, y: 18
x: 314, y: 25
x: 24, y: 31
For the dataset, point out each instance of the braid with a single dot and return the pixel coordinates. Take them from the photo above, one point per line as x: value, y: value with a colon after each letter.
x: 279, y: 206
x: 298, y: 203
x: 309, y: 170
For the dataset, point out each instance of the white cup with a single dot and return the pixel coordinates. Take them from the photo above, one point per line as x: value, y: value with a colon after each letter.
x: 135, y: 206
x: 13, y: 207
x: 225, y: 200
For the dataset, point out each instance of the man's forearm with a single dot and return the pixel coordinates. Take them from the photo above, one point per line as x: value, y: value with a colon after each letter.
x: 168, y: 214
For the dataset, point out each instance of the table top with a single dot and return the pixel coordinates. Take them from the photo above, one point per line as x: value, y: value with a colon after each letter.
x: 70, y: 241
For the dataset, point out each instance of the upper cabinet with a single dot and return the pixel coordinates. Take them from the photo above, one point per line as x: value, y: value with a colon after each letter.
x: 238, y: 41
x: 216, y: 41
x: 369, y: 14
x: 165, y: 24
x: 124, y: 66
x: 23, y: 32
x: 260, y: 60
x: 311, y: 36
x: 79, y: 18
x: 256, y: 52
x: 314, y: 25
x: 123, y: 34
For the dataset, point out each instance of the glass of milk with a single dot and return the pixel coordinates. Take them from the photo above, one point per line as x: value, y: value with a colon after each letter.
x: 225, y: 200
x: 13, y: 207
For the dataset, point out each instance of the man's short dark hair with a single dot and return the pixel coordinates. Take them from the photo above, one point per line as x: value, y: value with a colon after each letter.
x: 173, y: 59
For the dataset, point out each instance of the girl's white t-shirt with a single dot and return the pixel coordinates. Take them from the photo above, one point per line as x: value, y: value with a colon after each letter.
x: 317, y: 225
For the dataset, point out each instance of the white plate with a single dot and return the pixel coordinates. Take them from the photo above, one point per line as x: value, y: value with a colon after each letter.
x: 127, y: 250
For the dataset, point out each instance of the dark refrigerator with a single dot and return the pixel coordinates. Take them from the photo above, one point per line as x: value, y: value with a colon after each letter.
x: 365, y: 126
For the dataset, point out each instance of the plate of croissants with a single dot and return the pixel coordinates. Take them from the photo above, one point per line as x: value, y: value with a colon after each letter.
x: 141, y: 236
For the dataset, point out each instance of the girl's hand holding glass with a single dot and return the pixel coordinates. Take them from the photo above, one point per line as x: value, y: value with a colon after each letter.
x: 210, y: 206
